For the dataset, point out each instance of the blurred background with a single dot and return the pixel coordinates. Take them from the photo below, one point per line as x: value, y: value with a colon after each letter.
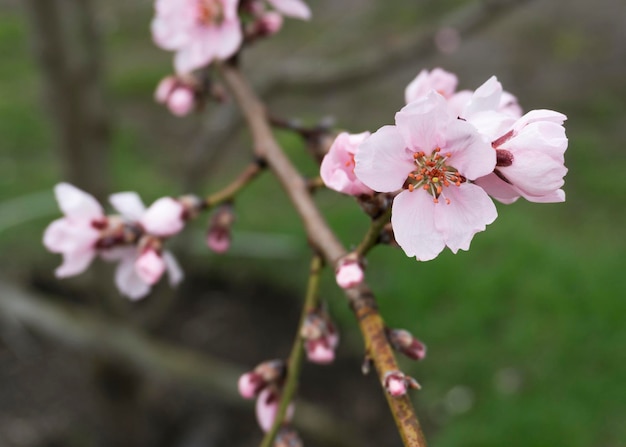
x: 525, y: 331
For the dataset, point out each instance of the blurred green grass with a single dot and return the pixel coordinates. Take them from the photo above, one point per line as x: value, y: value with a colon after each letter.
x: 526, y: 329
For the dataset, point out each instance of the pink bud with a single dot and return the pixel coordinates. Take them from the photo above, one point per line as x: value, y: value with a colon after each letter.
x: 349, y: 274
x: 395, y: 383
x: 164, y: 89
x: 267, y: 407
x: 317, y: 351
x: 403, y: 341
x: 270, y: 23
x: 150, y: 266
x: 218, y: 239
x: 249, y: 385
x: 181, y: 101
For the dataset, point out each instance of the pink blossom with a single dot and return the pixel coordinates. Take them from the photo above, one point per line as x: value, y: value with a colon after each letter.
x: 141, y: 267
x: 218, y: 239
x: 443, y: 82
x: 250, y: 384
x: 164, y: 217
x: 200, y: 31
x: 182, y: 101
x: 319, y: 351
x: 531, y: 160
x: 165, y: 88
x: 266, y: 408
x: 434, y: 156
x: 292, y: 8
x: 270, y: 23
x: 132, y: 280
x: 337, y: 169
x: 75, y: 235
x: 396, y: 386
x: 349, y: 274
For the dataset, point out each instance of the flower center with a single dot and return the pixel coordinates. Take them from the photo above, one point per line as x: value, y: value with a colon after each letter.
x: 209, y: 12
x: 433, y: 174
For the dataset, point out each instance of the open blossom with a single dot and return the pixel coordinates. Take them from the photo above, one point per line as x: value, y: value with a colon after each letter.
x: 142, y: 266
x: 531, y: 160
x: 337, y: 169
x: 200, y: 31
x: 529, y: 150
x: 445, y: 83
x: 75, y: 235
x: 434, y: 156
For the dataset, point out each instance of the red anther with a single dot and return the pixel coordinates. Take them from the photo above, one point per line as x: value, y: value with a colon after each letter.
x: 419, y: 177
x: 416, y: 155
x: 448, y: 154
x: 436, y: 200
x: 437, y: 149
x: 426, y: 187
x: 447, y: 201
x: 411, y: 187
x: 438, y: 190
x: 457, y: 183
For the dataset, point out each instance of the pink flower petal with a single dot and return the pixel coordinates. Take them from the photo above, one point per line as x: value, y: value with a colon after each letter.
x: 267, y: 407
x: 230, y: 38
x: 486, y: 97
x: 470, y: 153
x: 127, y: 280
x: 76, y: 203
x: 470, y: 211
x: 422, y: 123
x: 164, y: 217
x: 412, y: 219
x: 319, y: 352
x: 382, y: 161
x: 128, y: 204
x: 150, y: 267
x: 74, y: 263
x: 66, y: 235
x: 165, y: 87
x: 498, y: 188
x: 292, y: 8
x: 174, y: 272
x: 337, y: 168
x: 535, y: 173
x: 181, y: 101
x: 441, y: 81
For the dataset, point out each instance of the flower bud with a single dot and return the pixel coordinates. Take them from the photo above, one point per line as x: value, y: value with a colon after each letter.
x: 150, y: 266
x: 404, y: 342
x: 269, y: 23
x: 219, y: 234
x: 164, y: 89
x: 349, y: 272
x: 267, y: 406
x: 268, y: 373
x: 397, y: 383
x: 181, y: 101
x: 320, y: 337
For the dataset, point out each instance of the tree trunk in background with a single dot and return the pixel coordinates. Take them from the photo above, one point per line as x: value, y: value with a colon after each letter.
x: 66, y: 45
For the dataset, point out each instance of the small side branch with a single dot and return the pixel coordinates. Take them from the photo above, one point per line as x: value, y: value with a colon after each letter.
x: 324, y: 240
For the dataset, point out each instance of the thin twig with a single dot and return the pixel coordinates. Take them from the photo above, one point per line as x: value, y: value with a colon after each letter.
x: 373, y: 233
x: 295, y: 357
x: 324, y: 240
x: 241, y: 181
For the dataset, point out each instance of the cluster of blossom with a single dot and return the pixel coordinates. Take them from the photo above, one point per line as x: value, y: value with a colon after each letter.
x: 265, y: 383
x: 134, y: 238
x: 446, y: 154
x: 201, y: 31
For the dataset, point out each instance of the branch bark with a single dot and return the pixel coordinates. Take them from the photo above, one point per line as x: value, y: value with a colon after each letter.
x: 326, y: 243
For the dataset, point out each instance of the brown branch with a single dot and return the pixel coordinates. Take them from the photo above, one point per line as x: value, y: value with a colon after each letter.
x: 324, y: 240
x: 83, y: 330
x: 240, y: 182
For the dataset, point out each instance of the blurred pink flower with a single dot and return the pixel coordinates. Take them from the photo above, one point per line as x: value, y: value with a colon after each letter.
x: 200, y: 31
x: 349, y: 274
x: 141, y: 267
x: 292, y: 8
x: 75, y: 235
x: 337, y: 169
x: 432, y: 154
x: 267, y: 407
